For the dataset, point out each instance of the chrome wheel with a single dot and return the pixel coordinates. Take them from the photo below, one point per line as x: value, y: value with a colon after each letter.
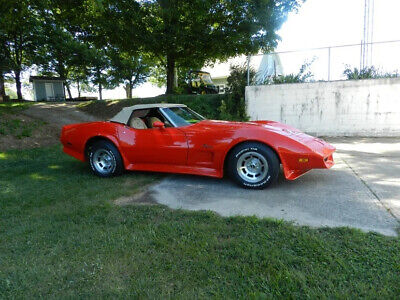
x: 252, y: 167
x: 104, y: 161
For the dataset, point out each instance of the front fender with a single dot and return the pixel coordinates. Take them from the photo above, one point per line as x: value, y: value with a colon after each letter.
x: 297, y: 153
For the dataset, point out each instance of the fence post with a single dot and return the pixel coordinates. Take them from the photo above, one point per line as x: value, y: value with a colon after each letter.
x: 361, y: 55
x: 329, y: 64
x: 248, y: 69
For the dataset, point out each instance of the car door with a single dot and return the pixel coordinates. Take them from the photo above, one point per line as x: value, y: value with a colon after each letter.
x: 155, y: 145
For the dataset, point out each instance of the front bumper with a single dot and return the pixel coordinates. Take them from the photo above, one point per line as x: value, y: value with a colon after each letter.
x: 319, y: 156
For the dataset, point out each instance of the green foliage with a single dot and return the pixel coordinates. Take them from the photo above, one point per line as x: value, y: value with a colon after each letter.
x: 367, y: 73
x: 109, y: 42
x: 20, y: 37
x: 234, y: 105
x: 62, y: 53
x: 238, y: 77
x: 187, y: 33
x: 128, y: 69
x: 304, y: 75
x: 62, y: 236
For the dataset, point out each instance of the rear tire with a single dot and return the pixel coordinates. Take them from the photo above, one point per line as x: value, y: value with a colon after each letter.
x: 105, y: 159
x: 253, y: 165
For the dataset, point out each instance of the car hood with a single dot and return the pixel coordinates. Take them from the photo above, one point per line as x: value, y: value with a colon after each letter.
x: 315, y: 144
x: 266, y: 125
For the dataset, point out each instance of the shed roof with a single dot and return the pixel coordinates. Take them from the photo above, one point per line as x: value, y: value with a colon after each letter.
x: 45, y: 78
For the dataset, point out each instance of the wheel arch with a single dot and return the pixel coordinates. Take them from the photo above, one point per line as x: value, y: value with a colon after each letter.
x: 232, y: 147
x: 97, y: 138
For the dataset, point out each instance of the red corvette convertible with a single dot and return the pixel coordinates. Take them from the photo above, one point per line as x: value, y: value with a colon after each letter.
x: 173, y: 138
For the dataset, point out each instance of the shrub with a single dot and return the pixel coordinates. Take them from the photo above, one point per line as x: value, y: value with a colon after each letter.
x: 304, y: 75
x: 233, y: 107
x: 367, y: 73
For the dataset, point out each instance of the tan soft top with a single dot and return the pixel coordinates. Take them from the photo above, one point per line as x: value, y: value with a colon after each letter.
x: 125, y: 113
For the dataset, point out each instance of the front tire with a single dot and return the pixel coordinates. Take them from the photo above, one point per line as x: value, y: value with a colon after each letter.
x: 253, y: 165
x: 105, y: 159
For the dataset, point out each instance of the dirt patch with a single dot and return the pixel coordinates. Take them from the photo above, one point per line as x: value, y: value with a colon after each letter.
x: 40, y: 133
x: 142, y: 198
x: 59, y: 114
x: 104, y: 110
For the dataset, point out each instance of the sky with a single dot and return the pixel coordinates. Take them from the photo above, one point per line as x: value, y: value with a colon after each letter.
x: 322, y: 23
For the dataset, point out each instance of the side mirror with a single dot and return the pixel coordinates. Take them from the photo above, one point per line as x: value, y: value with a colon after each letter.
x: 158, y: 124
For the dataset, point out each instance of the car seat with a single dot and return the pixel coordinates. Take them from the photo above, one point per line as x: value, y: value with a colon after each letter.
x: 137, y: 123
x: 152, y: 120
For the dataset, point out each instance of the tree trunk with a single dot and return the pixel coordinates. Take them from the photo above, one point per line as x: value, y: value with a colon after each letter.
x: 128, y: 90
x: 78, y: 87
x: 170, y: 74
x: 18, y: 84
x: 2, y: 87
x: 100, y: 92
x: 68, y: 91
x: 175, y: 78
x: 61, y: 70
x: 98, y: 73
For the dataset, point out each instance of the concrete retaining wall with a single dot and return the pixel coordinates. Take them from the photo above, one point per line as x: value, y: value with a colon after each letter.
x: 340, y: 108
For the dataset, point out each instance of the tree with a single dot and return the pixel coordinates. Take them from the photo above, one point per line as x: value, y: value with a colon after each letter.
x: 129, y: 69
x: 61, y: 54
x: 64, y: 51
x: 100, y: 76
x: 234, y: 106
x: 2, y: 86
x: 128, y: 64
x: 20, y: 35
x: 79, y: 76
x: 4, y: 65
x: 179, y: 32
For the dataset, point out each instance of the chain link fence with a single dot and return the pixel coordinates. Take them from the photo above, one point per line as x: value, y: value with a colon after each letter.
x: 326, y: 63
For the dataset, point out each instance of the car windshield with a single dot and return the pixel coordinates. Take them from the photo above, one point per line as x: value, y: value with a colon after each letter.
x: 182, y: 116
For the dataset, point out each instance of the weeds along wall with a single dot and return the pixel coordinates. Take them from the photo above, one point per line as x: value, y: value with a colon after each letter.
x: 368, y: 107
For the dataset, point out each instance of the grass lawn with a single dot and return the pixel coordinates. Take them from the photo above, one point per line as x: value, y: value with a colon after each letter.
x: 62, y: 236
x: 13, y: 107
x: 10, y: 125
